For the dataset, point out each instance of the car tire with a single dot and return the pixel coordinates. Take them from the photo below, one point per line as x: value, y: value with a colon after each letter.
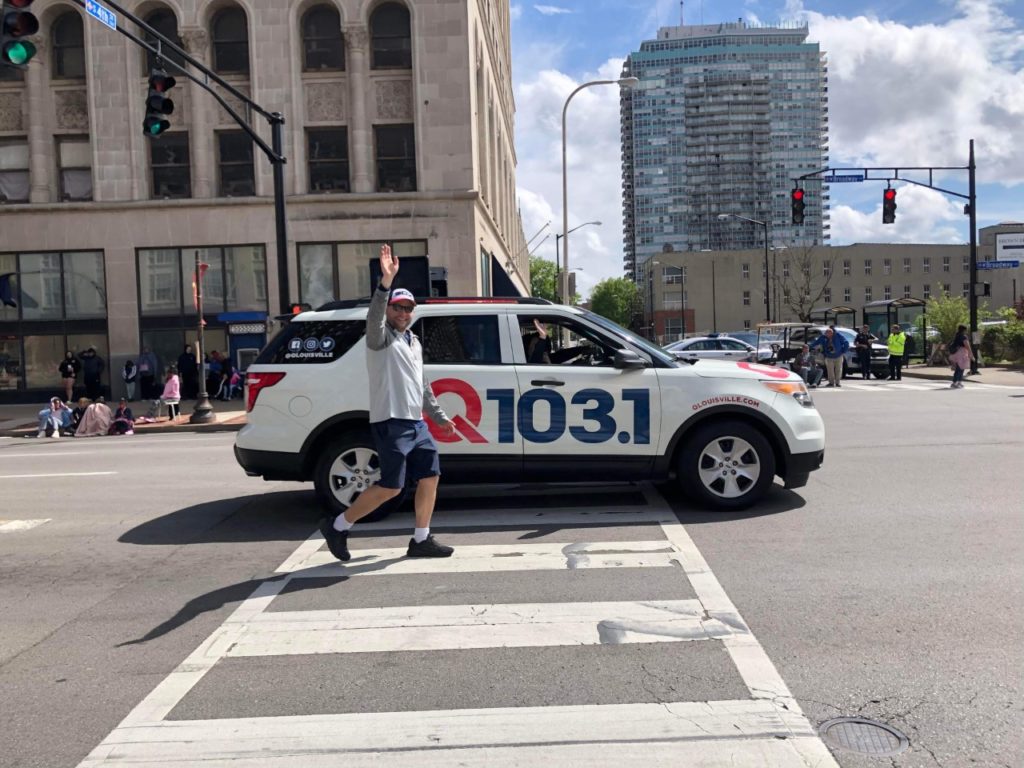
x: 846, y: 370
x: 346, y: 468
x: 712, y: 445
x: 881, y: 375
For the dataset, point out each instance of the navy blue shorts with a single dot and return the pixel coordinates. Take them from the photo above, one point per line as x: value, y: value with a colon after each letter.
x: 406, y: 448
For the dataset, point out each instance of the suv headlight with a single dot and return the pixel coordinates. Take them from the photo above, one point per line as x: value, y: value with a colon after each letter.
x: 796, y: 389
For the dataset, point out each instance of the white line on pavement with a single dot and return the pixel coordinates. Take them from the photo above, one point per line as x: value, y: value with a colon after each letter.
x: 12, y: 526
x: 57, y: 474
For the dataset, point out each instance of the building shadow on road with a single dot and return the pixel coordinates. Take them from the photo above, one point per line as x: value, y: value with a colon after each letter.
x: 279, y: 516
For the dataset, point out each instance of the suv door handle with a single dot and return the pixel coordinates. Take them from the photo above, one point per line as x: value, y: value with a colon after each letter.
x: 547, y: 383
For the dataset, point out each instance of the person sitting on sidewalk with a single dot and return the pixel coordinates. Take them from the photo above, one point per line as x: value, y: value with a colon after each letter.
x: 124, y: 422
x: 170, y: 396
x: 54, y: 418
x: 805, y: 365
x: 96, y: 421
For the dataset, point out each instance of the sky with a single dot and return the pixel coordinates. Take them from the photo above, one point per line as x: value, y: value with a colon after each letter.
x: 910, y: 83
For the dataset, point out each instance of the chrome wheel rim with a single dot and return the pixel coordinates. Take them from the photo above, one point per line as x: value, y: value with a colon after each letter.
x: 355, y: 470
x: 729, y: 467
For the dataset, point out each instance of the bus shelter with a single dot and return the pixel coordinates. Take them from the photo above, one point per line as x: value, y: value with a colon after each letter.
x: 909, y: 314
x: 843, y: 316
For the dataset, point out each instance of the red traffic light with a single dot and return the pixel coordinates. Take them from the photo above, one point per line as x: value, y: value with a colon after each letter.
x: 798, y: 194
x: 19, y: 3
x: 161, y: 83
x: 889, y: 194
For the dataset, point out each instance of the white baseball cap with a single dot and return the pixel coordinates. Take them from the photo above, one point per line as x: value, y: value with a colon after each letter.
x: 401, y: 294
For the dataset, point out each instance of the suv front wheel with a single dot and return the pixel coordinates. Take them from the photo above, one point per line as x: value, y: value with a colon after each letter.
x: 347, y: 467
x: 726, y: 465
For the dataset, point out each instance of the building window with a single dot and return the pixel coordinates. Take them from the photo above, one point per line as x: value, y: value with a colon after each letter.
x: 827, y: 295
x: 826, y: 269
x: 887, y: 266
x: 671, y: 275
x: 328, y: 160
x: 236, y: 280
x: 745, y: 270
x: 392, y: 41
x: 846, y: 267
x: 926, y: 264
x: 14, y: 175
x: 230, y: 42
x: 846, y: 296
x: 867, y: 266
x: 785, y: 269
x: 966, y: 264
x: 322, y: 46
x: 396, y: 158
x: 75, y: 158
x: 746, y: 325
x: 746, y: 298
x: 906, y: 264
x: 166, y: 23
x: 966, y: 292
x: 867, y: 293
x: 906, y: 291
x: 169, y: 160
x: 68, y: 46
x: 887, y: 292
x: 945, y: 264
x: 946, y: 288
x: 329, y: 271
x: 927, y: 292
x: 235, y: 160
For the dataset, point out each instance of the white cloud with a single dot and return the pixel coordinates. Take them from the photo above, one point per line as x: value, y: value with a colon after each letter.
x: 515, y: 11
x: 550, y: 10
x: 922, y: 216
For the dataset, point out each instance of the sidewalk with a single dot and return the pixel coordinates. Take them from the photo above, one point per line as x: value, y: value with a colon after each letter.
x: 1002, y: 375
x: 21, y: 420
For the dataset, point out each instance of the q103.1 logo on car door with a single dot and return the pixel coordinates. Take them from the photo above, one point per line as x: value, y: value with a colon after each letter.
x: 591, y: 407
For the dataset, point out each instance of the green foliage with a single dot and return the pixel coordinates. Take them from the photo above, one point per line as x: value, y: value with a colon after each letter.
x: 1004, y: 342
x: 617, y: 299
x: 543, y: 274
x: 946, y: 313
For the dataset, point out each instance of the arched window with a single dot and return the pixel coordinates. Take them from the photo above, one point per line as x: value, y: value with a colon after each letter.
x: 230, y: 41
x: 392, y: 41
x: 166, y: 23
x: 322, y: 47
x: 68, y: 46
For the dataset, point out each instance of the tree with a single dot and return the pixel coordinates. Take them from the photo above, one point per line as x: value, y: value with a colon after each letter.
x: 807, y: 282
x: 946, y: 313
x: 543, y: 275
x: 616, y: 298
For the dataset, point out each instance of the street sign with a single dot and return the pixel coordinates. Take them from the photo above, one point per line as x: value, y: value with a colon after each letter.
x: 843, y: 177
x: 101, y: 14
x: 1004, y: 264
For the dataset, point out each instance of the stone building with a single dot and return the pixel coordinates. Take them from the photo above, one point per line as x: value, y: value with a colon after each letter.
x: 398, y: 127
x: 724, y: 290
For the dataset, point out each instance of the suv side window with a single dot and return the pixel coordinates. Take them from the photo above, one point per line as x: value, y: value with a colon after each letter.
x: 568, y: 343
x: 470, y: 339
x: 318, y: 342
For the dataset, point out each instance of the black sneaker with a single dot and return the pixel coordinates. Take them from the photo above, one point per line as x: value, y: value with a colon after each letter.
x: 337, y: 541
x: 428, y: 548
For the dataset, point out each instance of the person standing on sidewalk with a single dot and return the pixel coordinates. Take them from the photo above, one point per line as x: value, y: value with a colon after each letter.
x: 147, y: 373
x: 960, y: 356
x: 399, y: 394
x: 68, y: 370
x: 896, y: 342
x: 833, y: 346
x: 862, y: 343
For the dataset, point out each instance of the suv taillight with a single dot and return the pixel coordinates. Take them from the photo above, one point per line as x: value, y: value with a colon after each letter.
x: 255, y: 382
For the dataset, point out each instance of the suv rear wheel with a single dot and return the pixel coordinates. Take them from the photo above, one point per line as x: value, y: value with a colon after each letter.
x: 726, y: 465
x: 347, y: 467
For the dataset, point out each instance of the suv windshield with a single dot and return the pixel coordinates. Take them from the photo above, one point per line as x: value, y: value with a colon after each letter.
x: 656, y: 353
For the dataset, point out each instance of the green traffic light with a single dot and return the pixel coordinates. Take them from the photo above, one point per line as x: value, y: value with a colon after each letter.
x: 154, y: 126
x: 18, y: 52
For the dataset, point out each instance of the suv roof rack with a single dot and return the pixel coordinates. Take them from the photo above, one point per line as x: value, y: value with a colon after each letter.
x: 365, y: 301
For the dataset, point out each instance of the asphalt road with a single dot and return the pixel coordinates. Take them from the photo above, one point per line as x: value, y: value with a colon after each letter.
x: 889, y: 588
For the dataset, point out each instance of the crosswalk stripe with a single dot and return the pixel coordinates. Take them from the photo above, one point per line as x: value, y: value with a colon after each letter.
x: 489, y: 558
x: 462, y: 627
x: 751, y: 732
x: 14, y: 526
x: 565, y: 517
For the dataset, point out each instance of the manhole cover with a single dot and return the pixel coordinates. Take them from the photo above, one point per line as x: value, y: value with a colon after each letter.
x: 868, y: 737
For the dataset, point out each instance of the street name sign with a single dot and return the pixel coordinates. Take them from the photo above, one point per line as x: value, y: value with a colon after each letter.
x: 843, y: 177
x: 101, y: 14
x: 1004, y: 264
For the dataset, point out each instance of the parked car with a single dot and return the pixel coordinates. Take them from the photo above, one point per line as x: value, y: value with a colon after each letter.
x: 879, y: 351
x: 764, y: 347
x: 712, y: 347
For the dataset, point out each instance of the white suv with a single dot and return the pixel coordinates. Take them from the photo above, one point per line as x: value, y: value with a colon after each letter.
x: 599, y: 404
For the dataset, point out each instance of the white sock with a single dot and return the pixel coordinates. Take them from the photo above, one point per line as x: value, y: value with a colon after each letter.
x: 419, y: 535
x: 341, y: 524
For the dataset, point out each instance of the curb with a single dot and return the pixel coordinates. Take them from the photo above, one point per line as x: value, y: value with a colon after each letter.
x: 29, y: 430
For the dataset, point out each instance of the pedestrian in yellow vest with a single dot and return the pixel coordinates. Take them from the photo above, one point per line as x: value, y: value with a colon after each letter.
x: 896, y: 342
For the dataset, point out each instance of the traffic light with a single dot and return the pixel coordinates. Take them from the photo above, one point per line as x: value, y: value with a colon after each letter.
x: 18, y: 23
x: 158, y: 106
x: 797, y: 199
x: 889, y: 206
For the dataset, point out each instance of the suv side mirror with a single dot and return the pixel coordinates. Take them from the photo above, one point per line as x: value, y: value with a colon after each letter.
x: 627, y: 358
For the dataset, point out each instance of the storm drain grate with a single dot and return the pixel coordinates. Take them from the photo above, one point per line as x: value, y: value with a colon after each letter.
x: 868, y: 737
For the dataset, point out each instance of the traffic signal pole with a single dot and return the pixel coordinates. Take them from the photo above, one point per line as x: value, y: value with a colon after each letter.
x: 273, y: 153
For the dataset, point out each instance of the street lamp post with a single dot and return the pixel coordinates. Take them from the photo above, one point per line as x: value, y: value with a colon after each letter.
x: 565, y: 297
x: 624, y: 82
x: 767, y: 289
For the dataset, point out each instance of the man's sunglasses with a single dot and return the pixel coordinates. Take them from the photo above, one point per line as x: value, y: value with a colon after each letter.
x: 403, y: 308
